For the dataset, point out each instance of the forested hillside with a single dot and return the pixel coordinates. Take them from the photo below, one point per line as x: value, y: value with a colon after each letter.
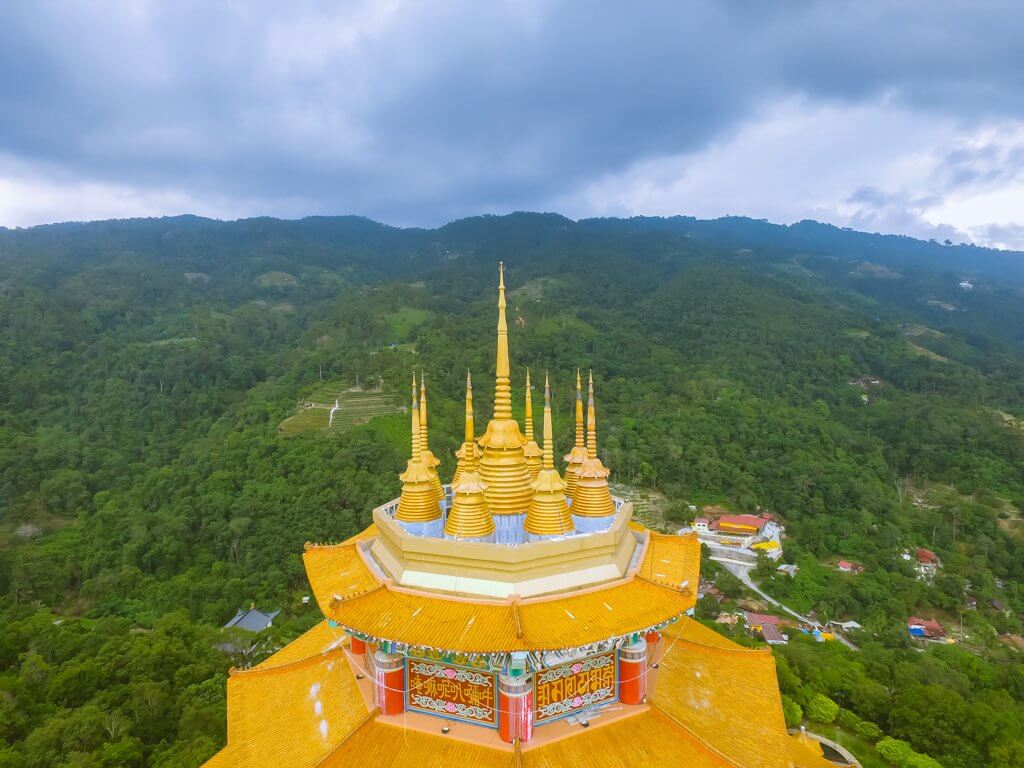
x: 146, y: 492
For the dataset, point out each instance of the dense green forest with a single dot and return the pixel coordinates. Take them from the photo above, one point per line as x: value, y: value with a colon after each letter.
x: 146, y: 493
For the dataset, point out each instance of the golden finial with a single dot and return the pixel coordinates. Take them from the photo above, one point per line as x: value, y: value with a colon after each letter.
x: 528, y: 416
x: 430, y: 461
x: 469, y: 517
x: 591, y: 420
x: 502, y: 383
x: 548, y: 514
x: 469, y: 435
x: 574, y: 458
x: 531, y: 451
x: 418, y: 502
x: 424, y: 441
x: 415, y: 422
x: 549, y: 450
x: 591, y: 497
x: 469, y: 444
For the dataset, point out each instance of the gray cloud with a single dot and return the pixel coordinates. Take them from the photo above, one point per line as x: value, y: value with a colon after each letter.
x: 420, y: 113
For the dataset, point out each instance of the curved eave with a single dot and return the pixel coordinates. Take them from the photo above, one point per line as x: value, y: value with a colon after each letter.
x: 352, y: 595
x: 715, y: 705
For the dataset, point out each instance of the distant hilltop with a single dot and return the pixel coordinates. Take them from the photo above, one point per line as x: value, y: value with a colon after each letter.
x: 734, y: 232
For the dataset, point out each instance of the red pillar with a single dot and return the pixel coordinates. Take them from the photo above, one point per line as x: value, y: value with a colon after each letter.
x: 515, y: 708
x: 633, y: 672
x: 389, y: 682
x: 358, y: 646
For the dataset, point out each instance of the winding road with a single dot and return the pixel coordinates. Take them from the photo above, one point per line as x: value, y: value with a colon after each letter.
x: 742, y: 572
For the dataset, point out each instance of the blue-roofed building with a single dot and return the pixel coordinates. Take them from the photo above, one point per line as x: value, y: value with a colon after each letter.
x: 252, y: 620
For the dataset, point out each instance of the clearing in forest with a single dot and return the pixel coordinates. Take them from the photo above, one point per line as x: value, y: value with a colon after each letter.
x: 331, y: 409
x: 404, y: 321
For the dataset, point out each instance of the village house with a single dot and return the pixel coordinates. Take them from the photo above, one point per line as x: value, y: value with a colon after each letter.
x: 928, y: 564
x: 927, y: 629
x: 847, y: 566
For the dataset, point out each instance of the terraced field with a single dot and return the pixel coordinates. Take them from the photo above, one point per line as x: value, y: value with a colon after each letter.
x: 354, y: 407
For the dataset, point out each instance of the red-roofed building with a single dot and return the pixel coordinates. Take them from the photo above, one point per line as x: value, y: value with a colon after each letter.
x: 757, y: 621
x: 846, y: 566
x: 927, y: 628
x: 772, y: 635
x: 928, y: 563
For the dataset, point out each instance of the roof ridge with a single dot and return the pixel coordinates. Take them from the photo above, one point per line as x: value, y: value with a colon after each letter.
x: 259, y: 671
x: 738, y: 649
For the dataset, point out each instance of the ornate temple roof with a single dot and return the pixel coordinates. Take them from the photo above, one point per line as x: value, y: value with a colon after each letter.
x: 715, y: 704
x: 599, y: 581
x: 351, y: 594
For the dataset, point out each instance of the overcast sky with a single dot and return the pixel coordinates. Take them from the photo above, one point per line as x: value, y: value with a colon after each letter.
x: 885, y: 116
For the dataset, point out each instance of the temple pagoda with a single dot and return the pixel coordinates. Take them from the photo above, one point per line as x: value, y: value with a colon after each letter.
x: 515, y: 617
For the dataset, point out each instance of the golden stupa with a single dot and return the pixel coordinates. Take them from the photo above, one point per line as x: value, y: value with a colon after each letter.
x: 430, y: 461
x: 418, y: 502
x: 574, y: 458
x: 549, y: 513
x: 592, y: 498
x: 469, y: 517
x: 531, y: 450
x: 503, y: 465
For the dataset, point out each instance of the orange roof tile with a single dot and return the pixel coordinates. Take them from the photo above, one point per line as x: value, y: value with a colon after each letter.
x: 319, y: 640
x: 377, y: 745
x: 716, y: 705
x: 647, y: 739
x: 588, y: 617
x: 671, y: 560
x: 337, y: 571
x: 725, y: 695
x: 349, y: 593
x: 294, y: 713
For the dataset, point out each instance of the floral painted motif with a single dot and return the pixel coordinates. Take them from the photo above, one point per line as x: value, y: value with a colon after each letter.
x: 481, y: 714
x: 428, y: 669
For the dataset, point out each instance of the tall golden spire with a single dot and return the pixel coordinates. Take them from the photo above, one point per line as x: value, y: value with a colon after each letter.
x: 415, y: 411
x: 430, y: 461
x: 592, y: 498
x: 591, y: 418
x: 548, y: 514
x: 503, y: 466
x: 502, y: 368
x: 575, y: 457
x: 468, y: 452
x: 418, y: 502
x: 469, y: 517
x: 531, y: 451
